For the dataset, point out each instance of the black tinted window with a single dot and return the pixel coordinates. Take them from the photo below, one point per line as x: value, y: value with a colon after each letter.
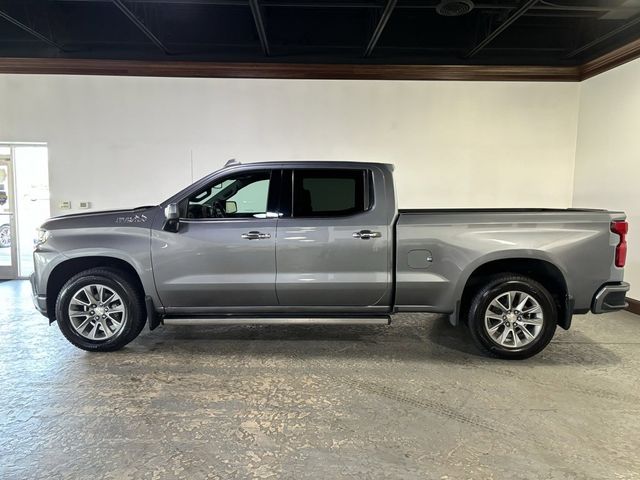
x: 328, y: 192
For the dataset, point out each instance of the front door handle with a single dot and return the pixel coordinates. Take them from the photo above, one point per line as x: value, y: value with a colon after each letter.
x: 253, y: 235
x: 366, y: 234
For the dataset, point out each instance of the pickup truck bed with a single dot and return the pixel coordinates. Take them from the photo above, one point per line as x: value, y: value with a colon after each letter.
x: 556, y: 241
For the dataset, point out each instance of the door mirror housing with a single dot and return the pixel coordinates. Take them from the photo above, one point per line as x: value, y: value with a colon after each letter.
x: 172, y: 218
x: 230, y: 207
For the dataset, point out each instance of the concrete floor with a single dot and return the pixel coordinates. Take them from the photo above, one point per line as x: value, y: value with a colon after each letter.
x: 413, y: 400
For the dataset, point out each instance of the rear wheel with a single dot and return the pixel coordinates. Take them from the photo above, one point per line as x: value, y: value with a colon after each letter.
x: 100, y: 310
x: 512, y: 317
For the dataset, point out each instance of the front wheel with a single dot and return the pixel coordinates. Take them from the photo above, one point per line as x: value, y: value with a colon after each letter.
x: 512, y: 317
x: 100, y: 310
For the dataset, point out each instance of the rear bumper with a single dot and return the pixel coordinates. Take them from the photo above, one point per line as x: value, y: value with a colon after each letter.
x: 610, y: 298
x: 40, y: 301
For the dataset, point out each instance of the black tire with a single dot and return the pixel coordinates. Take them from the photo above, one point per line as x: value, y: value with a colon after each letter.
x: 132, y: 300
x: 501, y: 284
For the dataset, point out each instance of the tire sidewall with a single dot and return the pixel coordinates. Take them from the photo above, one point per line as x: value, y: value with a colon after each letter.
x: 489, y: 293
x: 113, y: 282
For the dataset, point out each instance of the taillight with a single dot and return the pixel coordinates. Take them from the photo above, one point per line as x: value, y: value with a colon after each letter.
x: 620, y: 227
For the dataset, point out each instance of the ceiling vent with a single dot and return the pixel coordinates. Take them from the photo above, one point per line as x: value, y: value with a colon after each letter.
x: 454, y: 8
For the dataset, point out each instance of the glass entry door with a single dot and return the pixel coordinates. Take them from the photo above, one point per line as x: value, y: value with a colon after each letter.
x: 8, y: 245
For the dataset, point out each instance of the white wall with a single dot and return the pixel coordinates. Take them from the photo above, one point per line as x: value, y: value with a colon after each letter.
x: 125, y: 141
x: 607, y: 170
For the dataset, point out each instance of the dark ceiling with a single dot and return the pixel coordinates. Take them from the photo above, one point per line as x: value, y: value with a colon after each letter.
x: 555, y: 33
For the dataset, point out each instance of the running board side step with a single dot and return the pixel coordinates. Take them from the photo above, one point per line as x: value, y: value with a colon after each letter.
x: 230, y: 320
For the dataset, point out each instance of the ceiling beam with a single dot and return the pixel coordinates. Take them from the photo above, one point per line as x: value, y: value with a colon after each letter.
x: 384, y: 18
x: 262, y: 33
x: 141, y: 26
x: 379, y: 3
x: 30, y: 30
x: 634, y: 21
x: 502, y: 27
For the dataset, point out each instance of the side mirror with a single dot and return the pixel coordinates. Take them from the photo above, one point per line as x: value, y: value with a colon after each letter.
x: 172, y: 218
x: 230, y: 207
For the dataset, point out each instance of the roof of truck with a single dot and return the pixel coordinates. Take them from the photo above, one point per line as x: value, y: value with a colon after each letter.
x: 309, y: 163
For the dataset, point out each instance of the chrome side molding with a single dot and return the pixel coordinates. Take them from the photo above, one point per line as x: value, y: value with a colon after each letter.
x: 381, y: 320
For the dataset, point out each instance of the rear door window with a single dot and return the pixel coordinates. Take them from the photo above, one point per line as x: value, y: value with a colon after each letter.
x: 329, y: 193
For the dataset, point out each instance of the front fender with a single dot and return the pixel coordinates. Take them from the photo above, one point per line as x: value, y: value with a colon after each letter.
x: 127, y: 244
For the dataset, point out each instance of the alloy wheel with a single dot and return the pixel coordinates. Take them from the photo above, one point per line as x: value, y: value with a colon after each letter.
x: 513, y: 319
x: 97, y: 312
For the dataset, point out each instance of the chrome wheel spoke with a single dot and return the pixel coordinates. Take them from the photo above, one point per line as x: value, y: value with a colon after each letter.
x: 526, y: 332
x: 100, y: 291
x: 503, y: 337
x: 532, y: 321
x: 523, y: 301
x: 516, y: 338
x: 533, y: 309
x: 496, y: 303
x: 116, y: 321
x: 510, y: 296
x: 83, y: 325
x: 494, y: 329
x: 106, y: 328
x: 89, y: 294
x: 77, y: 301
x: 94, y: 330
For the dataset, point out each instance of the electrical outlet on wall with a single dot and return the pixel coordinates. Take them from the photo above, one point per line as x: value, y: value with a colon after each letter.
x: 65, y: 205
x: 85, y: 205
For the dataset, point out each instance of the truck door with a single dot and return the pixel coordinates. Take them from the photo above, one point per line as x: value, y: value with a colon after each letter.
x: 333, y: 247
x: 223, y: 254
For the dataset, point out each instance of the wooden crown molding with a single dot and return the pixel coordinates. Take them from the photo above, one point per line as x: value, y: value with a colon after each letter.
x: 634, y: 305
x: 71, y: 66
x: 610, y: 60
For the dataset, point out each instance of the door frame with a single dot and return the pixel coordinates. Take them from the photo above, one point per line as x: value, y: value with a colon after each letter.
x: 10, y: 272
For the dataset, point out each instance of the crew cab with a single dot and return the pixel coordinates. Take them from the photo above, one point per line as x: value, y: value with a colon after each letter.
x: 324, y: 242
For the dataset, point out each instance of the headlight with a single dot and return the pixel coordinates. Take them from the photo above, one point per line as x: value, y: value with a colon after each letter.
x: 43, y: 236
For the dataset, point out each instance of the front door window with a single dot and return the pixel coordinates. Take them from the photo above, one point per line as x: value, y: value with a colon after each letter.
x: 244, y: 195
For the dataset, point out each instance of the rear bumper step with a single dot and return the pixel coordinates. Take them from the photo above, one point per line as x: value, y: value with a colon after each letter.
x: 380, y: 320
x: 610, y: 298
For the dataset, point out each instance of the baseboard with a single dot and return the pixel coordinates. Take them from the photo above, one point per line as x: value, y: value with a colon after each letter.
x: 634, y: 305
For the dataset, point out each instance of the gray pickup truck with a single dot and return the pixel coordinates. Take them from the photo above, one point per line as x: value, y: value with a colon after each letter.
x: 324, y: 243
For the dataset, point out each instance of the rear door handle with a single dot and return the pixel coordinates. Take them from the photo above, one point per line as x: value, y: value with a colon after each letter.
x: 253, y: 235
x: 366, y: 234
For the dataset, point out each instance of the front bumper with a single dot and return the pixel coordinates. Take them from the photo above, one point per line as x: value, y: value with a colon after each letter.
x: 610, y: 298
x: 40, y: 301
